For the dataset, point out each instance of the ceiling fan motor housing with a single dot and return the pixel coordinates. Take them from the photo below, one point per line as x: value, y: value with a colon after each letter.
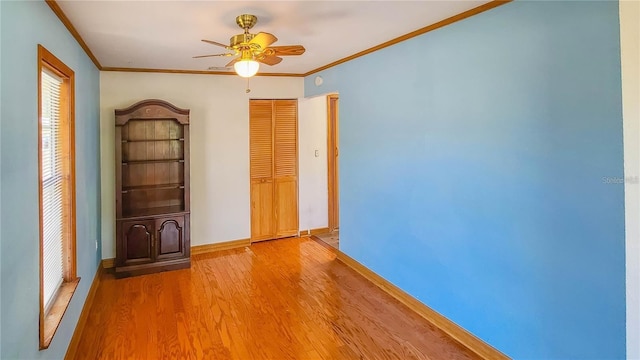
x: 240, y: 38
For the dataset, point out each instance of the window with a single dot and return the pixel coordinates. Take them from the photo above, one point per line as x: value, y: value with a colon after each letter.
x: 56, y: 157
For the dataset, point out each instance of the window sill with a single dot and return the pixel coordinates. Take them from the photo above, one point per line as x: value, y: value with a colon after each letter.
x: 53, y: 318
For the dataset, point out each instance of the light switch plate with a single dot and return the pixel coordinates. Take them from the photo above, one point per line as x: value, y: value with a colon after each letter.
x: 317, y: 153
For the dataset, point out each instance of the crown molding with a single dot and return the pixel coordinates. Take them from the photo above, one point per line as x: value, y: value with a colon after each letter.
x: 67, y: 23
x: 448, y: 21
x: 426, y: 29
x: 196, y: 72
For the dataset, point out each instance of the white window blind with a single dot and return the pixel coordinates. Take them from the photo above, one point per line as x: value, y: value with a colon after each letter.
x: 52, y: 171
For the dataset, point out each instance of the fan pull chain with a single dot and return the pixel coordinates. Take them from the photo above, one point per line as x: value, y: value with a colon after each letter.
x: 248, y: 90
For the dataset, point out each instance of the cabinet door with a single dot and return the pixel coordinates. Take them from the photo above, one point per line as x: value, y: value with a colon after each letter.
x: 286, y: 166
x: 170, y: 238
x: 136, y: 243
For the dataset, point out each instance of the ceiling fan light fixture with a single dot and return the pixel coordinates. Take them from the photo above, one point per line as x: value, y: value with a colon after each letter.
x: 246, y: 67
x: 253, y: 49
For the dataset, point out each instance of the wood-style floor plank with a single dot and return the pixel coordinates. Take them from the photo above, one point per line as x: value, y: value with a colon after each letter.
x: 286, y: 299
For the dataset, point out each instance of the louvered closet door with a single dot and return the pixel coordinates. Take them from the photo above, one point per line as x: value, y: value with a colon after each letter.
x: 286, y: 166
x: 274, y: 168
x: 261, y: 169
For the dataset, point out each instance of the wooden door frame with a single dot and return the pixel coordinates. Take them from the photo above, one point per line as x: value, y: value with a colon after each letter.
x: 332, y: 162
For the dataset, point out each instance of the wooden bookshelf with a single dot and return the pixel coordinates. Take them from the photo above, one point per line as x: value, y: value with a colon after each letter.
x: 152, y: 188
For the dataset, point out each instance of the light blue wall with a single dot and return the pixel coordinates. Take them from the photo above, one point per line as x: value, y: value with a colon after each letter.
x: 24, y: 25
x: 471, y: 174
x: 0, y: 184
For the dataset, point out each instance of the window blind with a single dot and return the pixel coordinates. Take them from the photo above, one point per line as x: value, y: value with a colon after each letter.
x: 52, y: 181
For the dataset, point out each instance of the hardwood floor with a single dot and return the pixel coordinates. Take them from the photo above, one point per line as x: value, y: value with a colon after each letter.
x: 284, y: 299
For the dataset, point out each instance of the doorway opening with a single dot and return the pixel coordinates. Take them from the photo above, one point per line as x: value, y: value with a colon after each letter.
x: 333, y: 236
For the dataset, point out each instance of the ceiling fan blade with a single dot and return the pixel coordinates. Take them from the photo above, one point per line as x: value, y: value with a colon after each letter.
x: 286, y: 50
x: 232, y: 62
x: 263, y: 40
x: 269, y: 60
x: 216, y: 43
x: 204, y: 56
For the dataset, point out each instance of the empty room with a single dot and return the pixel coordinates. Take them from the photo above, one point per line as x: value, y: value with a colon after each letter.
x: 320, y: 179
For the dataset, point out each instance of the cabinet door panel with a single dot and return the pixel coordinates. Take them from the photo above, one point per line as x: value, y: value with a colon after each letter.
x: 262, y: 220
x: 286, y: 206
x: 170, y: 238
x: 137, y: 242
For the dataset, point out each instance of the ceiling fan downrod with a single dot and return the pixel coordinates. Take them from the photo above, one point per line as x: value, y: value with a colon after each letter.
x: 245, y: 21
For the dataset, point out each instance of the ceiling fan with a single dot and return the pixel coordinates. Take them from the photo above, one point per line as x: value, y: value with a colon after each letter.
x: 253, y: 49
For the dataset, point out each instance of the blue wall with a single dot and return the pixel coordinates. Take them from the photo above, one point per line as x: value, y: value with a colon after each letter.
x: 473, y: 158
x: 0, y: 187
x: 24, y: 24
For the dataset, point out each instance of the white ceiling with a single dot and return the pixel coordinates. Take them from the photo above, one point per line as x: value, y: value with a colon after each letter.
x: 166, y: 34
